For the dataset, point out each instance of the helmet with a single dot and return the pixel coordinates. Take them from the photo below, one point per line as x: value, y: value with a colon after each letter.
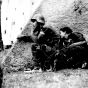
x: 39, y: 18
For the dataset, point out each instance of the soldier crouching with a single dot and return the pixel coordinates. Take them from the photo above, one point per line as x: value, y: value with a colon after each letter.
x: 73, y: 52
x: 45, y: 41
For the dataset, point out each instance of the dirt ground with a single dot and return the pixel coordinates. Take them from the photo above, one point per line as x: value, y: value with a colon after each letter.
x: 60, y: 79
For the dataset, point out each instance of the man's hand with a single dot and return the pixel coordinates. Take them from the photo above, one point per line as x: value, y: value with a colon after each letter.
x: 57, y: 52
x: 48, y: 48
x: 38, y: 47
x: 41, y: 34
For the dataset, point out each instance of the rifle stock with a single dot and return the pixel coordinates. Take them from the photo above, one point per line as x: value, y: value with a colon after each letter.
x: 70, y: 46
x: 77, y: 43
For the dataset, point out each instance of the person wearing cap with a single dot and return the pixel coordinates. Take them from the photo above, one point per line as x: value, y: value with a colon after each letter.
x: 46, y: 39
x: 38, y: 22
x: 71, y: 56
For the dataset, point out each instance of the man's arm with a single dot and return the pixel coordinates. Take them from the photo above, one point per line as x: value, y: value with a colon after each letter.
x: 25, y: 39
x: 77, y: 44
x: 74, y: 45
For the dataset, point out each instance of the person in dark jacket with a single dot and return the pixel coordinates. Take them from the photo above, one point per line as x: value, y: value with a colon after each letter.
x: 46, y: 39
x: 49, y: 42
x: 71, y: 56
x: 38, y: 22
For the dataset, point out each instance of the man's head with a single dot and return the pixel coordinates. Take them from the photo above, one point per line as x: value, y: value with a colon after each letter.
x: 38, y: 20
x: 64, y: 32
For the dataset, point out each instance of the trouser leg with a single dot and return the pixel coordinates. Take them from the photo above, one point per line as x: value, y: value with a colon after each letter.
x: 75, y: 57
x: 60, y: 62
x: 35, y: 54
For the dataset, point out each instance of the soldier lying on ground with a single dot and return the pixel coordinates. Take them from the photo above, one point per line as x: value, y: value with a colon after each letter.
x: 46, y: 39
x: 74, y: 56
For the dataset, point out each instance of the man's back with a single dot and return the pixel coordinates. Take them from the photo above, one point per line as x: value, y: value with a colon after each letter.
x: 50, y: 37
x: 75, y: 37
x: 75, y: 56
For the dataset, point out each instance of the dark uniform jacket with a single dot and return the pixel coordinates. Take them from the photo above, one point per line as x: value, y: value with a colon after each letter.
x: 47, y: 43
x: 49, y: 38
x: 72, y: 38
x: 72, y: 57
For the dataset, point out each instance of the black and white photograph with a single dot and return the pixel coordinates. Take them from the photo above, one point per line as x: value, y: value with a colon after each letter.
x: 44, y: 44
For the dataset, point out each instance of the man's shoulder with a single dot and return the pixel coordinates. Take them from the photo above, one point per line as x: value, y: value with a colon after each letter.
x: 50, y: 31
x: 77, y: 36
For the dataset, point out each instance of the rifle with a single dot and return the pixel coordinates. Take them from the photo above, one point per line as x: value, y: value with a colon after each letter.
x: 77, y: 44
x: 70, y: 46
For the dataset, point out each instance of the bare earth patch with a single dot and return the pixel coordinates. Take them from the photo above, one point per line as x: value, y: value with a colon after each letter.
x: 60, y: 79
